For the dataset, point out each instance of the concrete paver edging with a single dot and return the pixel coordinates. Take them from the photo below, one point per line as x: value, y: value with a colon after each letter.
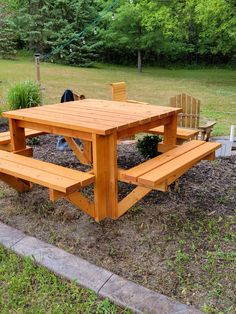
x: 105, y: 283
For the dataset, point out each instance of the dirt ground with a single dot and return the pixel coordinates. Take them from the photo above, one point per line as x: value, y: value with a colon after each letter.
x: 180, y: 243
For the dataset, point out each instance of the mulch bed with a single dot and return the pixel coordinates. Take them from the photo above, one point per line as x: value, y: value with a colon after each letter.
x: 161, y: 243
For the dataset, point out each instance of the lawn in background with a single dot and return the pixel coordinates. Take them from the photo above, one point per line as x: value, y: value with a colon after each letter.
x: 28, y: 288
x: 216, y: 88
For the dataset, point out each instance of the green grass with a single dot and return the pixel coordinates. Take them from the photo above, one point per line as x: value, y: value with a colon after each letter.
x: 215, y: 87
x: 203, y: 261
x: 27, y: 288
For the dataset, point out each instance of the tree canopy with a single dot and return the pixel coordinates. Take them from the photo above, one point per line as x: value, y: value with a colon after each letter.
x: 131, y: 31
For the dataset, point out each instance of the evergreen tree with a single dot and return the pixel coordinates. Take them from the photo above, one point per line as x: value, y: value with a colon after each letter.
x: 7, y: 36
x: 50, y: 26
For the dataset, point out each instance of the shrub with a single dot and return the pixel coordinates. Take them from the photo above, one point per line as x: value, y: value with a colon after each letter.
x: 24, y: 95
x: 147, y: 146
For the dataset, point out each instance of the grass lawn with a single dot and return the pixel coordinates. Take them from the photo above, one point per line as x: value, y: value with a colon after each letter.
x: 215, y: 87
x: 27, y: 288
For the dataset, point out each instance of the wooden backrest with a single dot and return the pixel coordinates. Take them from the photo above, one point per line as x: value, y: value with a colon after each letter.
x: 189, y: 118
x: 119, y: 91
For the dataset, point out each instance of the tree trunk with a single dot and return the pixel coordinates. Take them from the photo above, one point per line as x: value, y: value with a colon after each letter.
x: 139, y: 61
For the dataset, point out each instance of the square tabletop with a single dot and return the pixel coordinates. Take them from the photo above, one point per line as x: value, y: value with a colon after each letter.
x: 93, y: 115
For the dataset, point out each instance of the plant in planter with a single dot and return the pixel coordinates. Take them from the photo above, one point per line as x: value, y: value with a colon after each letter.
x: 24, y: 95
x: 147, y: 146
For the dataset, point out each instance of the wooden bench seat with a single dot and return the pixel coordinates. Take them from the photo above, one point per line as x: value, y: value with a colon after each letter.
x: 5, y: 137
x: 54, y: 177
x: 183, y: 134
x: 163, y: 170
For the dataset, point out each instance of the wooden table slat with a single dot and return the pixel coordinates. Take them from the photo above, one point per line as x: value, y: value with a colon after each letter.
x: 93, y: 115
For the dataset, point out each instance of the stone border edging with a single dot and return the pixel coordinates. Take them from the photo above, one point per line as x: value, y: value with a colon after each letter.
x: 105, y: 283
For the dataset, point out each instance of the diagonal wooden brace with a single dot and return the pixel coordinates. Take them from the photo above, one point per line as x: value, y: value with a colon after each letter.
x: 18, y: 184
x: 132, y: 198
x: 83, y: 156
x: 76, y: 198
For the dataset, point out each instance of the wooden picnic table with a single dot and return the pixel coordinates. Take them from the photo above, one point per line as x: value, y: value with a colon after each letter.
x: 102, y: 123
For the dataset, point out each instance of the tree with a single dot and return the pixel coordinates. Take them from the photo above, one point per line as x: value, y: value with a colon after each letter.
x: 140, y: 26
x: 52, y: 28
x: 7, y: 36
x: 206, y: 27
x: 128, y: 30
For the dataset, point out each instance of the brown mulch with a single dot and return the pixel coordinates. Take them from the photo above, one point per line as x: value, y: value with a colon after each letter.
x: 144, y: 243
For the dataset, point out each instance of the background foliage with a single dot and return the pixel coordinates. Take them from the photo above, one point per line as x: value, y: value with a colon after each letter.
x: 152, y: 31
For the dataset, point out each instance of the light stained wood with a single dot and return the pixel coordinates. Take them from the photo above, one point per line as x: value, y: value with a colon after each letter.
x: 163, y: 148
x: 190, y: 116
x: 119, y: 91
x: 210, y: 157
x: 78, y: 96
x: 76, y: 199
x: 82, y: 202
x: 122, y: 109
x: 106, y: 175
x: 180, y: 163
x: 5, y: 137
x: 27, y: 152
x: 63, y: 120
x: 16, y: 183
x: 17, y: 136
x: 55, y: 130
x: 143, y: 127
x: 88, y: 152
x: 160, y: 187
x: 131, y: 199
x: 86, y: 113
x: 161, y: 171
x: 52, y: 176
x: 77, y: 151
x: 170, y: 131
x: 6, y: 147
x: 55, y: 195
x: 134, y: 173
x: 182, y: 133
x: 100, y: 123
x: 90, y: 120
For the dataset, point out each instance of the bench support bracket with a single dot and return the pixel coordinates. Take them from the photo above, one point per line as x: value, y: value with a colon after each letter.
x: 131, y: 199
x: 16, y: 183
x: 76, y: 198
x: 85, y: 155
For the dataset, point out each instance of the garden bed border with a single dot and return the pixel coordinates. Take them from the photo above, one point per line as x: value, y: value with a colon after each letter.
x: 104, y: 283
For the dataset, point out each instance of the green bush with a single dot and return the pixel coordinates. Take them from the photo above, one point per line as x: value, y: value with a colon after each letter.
x: 24, y: 95
x: 147, y: 146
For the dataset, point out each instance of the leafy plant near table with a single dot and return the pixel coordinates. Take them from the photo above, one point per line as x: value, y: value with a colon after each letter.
x: 24, y: 95
x: 147, y: 146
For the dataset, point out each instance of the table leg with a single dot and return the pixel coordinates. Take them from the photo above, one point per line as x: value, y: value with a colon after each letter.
x: 88, y: 152
x: 17, y: 136
x: 106, y: 176
x: 170, y: 130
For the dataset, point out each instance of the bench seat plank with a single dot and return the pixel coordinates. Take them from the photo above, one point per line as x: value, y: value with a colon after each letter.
x: 5, y: 137
x: 134, y: 173
x: 182, y: 133
x: 178, y: 165
x: 49, y: 175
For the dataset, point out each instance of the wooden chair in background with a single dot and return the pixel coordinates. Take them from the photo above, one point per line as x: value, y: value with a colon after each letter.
x: 189, y: 122
x: 119, y: 93
x: 190, y: 117
x: 78, y: 96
